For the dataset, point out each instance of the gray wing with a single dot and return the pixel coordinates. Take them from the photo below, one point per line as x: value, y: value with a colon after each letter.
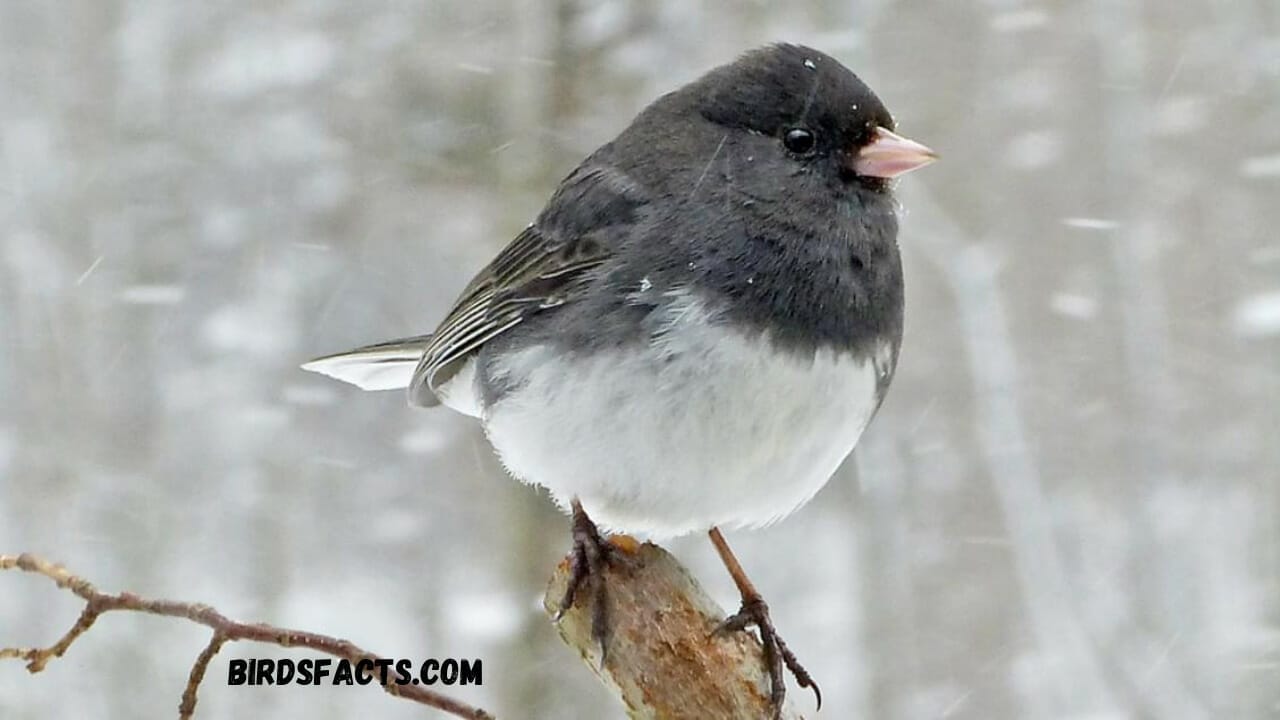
x: 549, y: 264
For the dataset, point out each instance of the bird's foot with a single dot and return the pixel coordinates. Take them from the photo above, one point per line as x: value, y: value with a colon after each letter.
x: 777, y: 655
x: 591, y: 554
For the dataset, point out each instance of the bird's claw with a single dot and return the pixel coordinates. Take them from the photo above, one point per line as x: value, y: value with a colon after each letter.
x: 755, y: 612
x: 587, y: 561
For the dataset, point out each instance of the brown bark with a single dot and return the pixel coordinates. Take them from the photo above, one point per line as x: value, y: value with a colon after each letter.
x: 664, y: 661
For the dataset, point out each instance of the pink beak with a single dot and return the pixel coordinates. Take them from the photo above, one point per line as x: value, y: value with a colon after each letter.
x: 889, y: 155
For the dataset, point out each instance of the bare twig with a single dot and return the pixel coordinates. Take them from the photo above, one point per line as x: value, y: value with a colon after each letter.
x: 224, y: 630
x: 188, y: 706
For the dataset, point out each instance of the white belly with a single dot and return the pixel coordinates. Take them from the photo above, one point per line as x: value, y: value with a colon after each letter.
x: 708, y: 427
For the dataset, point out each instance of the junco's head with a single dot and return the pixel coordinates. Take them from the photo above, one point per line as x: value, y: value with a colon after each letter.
x: 782, y: 112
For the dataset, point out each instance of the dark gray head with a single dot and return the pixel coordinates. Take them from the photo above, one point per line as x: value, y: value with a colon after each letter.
x: 797, y: 113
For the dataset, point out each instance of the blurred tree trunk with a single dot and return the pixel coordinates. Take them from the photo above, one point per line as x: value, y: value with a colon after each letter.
x: 972, y: 272
x: 884, y: 555
x: 542, y: 104
x: 1160, y: 553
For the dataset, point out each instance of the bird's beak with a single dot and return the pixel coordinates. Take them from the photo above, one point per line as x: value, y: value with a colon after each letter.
x: 889, y: 155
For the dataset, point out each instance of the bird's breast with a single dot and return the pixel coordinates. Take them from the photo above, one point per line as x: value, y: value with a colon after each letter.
x: 699, y: 425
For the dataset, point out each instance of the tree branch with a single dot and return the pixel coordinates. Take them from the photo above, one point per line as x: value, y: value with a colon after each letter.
x: 663, y: 660
x: 224, y: 630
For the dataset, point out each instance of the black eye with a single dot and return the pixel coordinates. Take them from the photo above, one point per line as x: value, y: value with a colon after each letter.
x: 799, y: 141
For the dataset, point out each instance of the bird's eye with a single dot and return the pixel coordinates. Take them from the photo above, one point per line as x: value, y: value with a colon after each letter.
x: 800, y: 141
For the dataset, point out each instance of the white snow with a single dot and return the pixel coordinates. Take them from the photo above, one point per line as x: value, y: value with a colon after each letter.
x: 473, y: 68
x: 1258, y: 316
x: 308, y: 395
x: 1073, y: 305
x: 1019, y: 20
x: 1180, y: 115
x: 89, y: 271
x: 1261, y: 166
x: 256, y: 62
x: 1089, y: 223
x: 153, y: 294
x: 423, y: 441
x: 1034, y: 149
x: 492, y: 615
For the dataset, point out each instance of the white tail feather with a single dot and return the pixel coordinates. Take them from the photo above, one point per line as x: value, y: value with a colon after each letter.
x: 385, y: 366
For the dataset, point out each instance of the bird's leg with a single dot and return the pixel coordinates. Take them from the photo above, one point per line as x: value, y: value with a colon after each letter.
x: 591, y: 553
x: 755, y: 612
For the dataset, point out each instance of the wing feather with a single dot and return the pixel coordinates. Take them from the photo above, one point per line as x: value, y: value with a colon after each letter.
x: 505, y: 293
x: 549, y: 264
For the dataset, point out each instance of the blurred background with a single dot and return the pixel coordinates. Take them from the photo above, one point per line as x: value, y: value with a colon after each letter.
x: 1069, y: 506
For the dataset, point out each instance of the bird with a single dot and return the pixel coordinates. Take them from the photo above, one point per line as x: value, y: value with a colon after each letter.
x: 694, y: 332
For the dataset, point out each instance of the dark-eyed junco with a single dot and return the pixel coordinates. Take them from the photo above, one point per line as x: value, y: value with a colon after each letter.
x: 698, y: 326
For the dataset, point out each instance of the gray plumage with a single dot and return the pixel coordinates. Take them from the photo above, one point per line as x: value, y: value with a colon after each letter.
x: 712, y: 216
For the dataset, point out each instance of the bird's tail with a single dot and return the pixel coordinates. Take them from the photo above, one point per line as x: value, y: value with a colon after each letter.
x: 384, y: 366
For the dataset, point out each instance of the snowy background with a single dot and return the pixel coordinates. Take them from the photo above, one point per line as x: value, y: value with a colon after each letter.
x: 1068, y: 508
